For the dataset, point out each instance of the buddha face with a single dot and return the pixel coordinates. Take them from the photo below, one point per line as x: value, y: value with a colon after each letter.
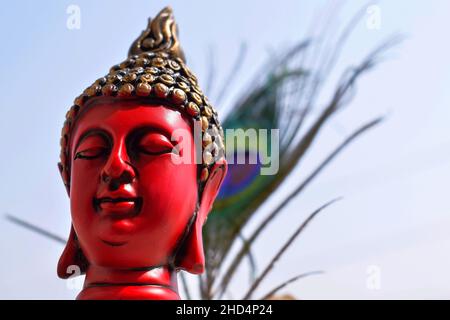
x: 130, y: 201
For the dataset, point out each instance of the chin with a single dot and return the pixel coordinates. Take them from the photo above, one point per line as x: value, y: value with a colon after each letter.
x: 113, y: 231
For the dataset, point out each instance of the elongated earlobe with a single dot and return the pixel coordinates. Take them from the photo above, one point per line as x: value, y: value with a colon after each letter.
x: 192, y: 257
x: 71, y: 256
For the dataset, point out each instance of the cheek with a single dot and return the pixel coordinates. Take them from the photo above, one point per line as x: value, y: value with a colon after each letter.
x: 169, y: 191
x: 83, y: 186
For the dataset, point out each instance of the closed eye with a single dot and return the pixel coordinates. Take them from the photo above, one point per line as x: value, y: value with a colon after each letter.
x: 91, y: 153
x: 92, y: 147
x: 154, y: 143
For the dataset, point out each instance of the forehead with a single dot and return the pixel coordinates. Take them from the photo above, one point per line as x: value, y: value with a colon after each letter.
x: 121, y: 116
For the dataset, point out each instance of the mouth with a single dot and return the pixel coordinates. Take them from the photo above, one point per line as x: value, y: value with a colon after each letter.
x: 113, y: 244
x: 119, y: 207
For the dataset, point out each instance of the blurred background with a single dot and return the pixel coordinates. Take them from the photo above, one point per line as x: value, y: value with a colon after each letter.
x: 387, y: 238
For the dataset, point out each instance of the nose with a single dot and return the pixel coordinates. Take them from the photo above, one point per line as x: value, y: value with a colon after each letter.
x: 118, y: 169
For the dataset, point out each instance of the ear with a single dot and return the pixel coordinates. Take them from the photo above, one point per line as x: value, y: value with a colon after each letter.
x: 192, y: 256
x: 64, y: 178
x: 71, y: 256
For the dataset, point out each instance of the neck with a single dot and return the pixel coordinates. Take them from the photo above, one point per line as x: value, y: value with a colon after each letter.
x: 158, y: 283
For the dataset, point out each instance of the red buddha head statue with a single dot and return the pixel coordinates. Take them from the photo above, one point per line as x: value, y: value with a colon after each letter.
x: 142, y: 159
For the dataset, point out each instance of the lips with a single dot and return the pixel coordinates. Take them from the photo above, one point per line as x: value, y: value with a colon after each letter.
x: 119, y: 207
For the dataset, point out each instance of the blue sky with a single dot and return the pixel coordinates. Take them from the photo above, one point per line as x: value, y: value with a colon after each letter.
x: 394, y: 181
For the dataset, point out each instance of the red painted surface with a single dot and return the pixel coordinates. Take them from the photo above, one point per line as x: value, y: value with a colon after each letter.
x: 131, y: 203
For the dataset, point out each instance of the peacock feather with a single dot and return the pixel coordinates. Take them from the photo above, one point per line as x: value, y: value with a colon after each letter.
x: 284, y: 96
